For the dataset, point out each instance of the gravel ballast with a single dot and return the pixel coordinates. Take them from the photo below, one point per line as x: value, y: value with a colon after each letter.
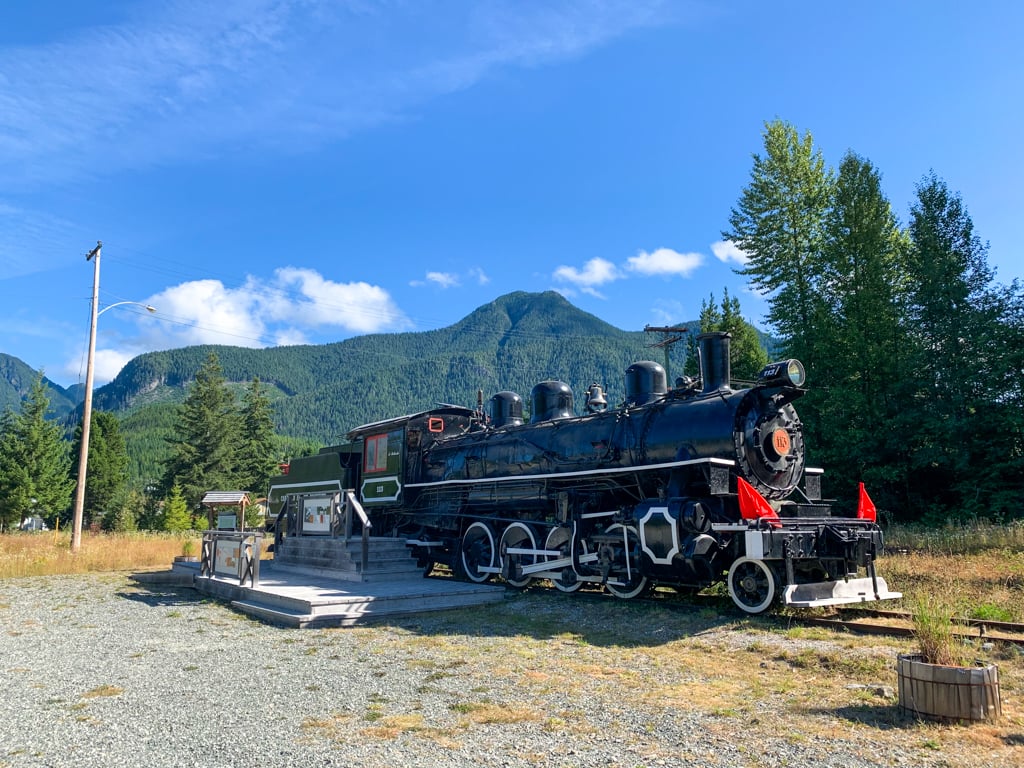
x: 98, y: 670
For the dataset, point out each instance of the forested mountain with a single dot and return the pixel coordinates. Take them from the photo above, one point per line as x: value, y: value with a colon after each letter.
x: 321, y: 392
x: 16, y: 379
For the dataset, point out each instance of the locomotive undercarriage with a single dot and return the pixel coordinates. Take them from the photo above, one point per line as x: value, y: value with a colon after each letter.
x: 574, y: 538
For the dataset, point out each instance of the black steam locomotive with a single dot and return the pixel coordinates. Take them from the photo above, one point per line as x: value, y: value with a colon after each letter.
x: 686, y: 487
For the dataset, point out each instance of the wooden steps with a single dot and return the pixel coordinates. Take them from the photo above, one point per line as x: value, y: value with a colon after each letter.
x: 389, y: 559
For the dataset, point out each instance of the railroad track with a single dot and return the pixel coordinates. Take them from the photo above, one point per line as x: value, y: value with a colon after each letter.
x: 859, y: 619
x: 870, y: 621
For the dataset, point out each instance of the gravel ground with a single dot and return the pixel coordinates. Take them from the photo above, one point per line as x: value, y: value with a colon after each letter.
x: 100, y: 671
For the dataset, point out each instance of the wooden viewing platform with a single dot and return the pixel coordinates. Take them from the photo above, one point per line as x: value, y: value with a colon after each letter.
x: 320, y: 583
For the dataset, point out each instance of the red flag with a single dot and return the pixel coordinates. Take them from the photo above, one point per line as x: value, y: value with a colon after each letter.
x: 865, y: 506
x: 753, y: 506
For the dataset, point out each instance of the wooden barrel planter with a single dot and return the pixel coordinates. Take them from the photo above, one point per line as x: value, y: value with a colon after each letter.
x: 948, y: 693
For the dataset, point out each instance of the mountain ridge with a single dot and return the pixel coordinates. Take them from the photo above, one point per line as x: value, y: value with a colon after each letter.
x: 16, y: 379
x: 320, y: 392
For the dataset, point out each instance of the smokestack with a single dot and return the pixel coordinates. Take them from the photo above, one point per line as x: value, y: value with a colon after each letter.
x: 714, y: 361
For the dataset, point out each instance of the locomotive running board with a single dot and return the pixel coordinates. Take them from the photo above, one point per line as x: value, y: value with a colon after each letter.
x: 837, y: 592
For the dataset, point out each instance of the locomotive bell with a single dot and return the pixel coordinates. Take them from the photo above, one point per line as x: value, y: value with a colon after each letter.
x: 596, y: 401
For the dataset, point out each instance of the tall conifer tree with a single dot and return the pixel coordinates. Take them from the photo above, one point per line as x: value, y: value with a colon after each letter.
x: 34, y: 462
x: 256, y: 445
x: 779, y: 223
x: 106, y: 479
x: 203, y: 456
x: 863, y: 285
x: 747, y: 355
x: 963, y: 336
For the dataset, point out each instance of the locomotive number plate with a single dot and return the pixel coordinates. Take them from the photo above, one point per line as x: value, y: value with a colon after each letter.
x: 380, y: 489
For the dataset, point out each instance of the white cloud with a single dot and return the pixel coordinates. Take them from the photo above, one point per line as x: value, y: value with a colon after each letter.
x: 107, y: 363
x: 727, y: 251
x: 450, y: 279
x: 207, y: 312
x: 282, y: 310
x: 356, y: 307
x: 595, y: 272
x: 188, y: 78
x: 665, y: 261
x: 667, y: 311
x: 443, y: 279
x: 289, y: 337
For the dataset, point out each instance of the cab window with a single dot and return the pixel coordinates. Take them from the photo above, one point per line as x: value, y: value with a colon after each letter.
x: 376, y: 455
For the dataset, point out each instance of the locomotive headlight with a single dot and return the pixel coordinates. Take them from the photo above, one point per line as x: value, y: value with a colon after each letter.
x: 785, y: 373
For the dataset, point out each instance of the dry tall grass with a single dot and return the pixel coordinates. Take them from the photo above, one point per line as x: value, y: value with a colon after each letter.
x: 49, y: 552
x: 975, y: 571
x: 959, y: 539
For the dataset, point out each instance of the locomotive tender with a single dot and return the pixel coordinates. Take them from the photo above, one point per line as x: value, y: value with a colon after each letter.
x: 687, y: 487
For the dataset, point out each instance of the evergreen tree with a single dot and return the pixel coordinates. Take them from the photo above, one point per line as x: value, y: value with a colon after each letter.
x: 34, y: 462
x: 203, y: 445
x: 151, y: 514
x: 779, y: 223
x: 961, y: 334
x: 176, y: 514
x: 853, y: 399
x: 15, y: 484
x: 106, y: 477
x: 123, y: 514
x: 257, y: 459
x: 747, y: 355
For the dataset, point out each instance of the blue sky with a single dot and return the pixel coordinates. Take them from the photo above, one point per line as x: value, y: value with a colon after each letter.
x: 292, y: 171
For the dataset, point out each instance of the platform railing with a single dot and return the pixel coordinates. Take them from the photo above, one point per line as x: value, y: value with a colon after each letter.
x: 348, y: 508
x: 345, y: 510
x: 232, y: 555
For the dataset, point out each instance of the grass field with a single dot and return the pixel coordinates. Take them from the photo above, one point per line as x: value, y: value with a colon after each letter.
x: 48, y: 553
x: 977, y: 571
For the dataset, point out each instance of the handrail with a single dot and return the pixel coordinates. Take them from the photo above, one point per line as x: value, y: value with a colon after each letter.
x: 352, y: 503
x: 350, y: 497
x: 342, y: 506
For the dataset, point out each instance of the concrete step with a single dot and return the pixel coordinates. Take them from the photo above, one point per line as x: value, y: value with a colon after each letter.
x: 356, y: 609
x: 293, y: 597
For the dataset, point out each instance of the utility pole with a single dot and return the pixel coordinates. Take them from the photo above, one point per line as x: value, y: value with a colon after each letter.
x: 669, y: 336
x: 83, y: 454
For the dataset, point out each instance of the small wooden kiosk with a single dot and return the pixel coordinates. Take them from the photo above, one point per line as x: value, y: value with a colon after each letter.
x: 226, y: 509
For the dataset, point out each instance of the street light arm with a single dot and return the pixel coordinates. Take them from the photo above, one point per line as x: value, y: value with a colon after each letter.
x: 149, y: 308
